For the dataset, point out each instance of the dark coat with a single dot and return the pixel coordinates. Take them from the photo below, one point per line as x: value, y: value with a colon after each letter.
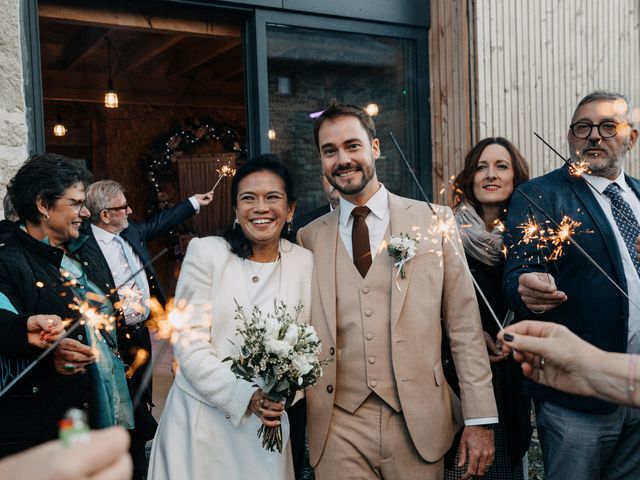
x: 138, y: 234
x: 30, y: 279
x: 514, y: 408
x: 595, y: 310
x: 303, y: 220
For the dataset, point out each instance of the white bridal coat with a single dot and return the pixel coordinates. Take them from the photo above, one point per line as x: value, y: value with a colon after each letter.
x: 205, y: 431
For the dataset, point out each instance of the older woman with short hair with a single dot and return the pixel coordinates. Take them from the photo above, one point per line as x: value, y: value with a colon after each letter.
x: 48, y: 269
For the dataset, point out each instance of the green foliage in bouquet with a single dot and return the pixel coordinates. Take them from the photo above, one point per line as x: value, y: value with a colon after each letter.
x: 278, y: 355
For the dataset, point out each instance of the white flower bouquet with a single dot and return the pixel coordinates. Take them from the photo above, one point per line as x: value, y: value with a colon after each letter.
x: 278, y: 355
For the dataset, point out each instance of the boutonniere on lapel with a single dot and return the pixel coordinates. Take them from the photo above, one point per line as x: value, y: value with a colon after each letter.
x: 401, y: 248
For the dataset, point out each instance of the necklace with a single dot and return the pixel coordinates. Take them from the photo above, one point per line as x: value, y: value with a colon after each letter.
x: 256, y: 273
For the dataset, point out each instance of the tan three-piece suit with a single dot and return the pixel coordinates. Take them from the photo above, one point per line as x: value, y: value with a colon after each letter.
x: 385, y: 341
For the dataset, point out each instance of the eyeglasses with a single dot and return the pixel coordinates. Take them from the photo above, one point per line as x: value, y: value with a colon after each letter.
x: 605, y: 129
x: 121, y: 207
x: 77, y: 204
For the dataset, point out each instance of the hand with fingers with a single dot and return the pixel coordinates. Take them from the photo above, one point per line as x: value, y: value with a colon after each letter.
x: 204, y: 199
x: 552, y: 355
x: 71, y: 356
x: 539, y: 293
x: 477, y: 450
x: 104, y: 457
x: 495, y: 353
x: 43, y: 330
x: 268, y: 411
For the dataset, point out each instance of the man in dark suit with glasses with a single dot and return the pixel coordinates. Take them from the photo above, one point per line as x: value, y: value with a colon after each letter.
x: 124, y: 246
x: 583, y: 437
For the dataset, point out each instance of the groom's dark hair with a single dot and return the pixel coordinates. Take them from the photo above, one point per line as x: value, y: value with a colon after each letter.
x: 336, y: 110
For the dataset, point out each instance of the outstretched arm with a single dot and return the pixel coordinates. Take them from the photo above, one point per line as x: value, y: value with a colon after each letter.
x: 552, y: 355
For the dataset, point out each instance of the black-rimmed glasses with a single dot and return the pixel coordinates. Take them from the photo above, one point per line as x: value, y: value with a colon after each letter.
x: 77, y: 204
x: 605, y: 129
x: 121, y: 207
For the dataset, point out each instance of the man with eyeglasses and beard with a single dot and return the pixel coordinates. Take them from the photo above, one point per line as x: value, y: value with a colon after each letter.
x: 124, y: 246
x: 582, y: 437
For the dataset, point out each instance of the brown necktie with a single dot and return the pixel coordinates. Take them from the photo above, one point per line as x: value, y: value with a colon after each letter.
x: 360, y: 240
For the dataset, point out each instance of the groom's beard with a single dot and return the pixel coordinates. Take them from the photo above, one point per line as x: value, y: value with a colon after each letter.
x: 368, y: 171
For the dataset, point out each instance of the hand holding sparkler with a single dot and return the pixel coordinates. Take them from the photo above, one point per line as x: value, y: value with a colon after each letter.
x: 71, y: 356
x: 539, y: 293
x: 42, y: 330
x: 204, y: 199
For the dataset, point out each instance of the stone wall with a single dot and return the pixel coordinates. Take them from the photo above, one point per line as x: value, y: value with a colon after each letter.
x: 13, y: 124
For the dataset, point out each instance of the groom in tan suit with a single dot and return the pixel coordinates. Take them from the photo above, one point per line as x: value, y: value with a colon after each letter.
x: 383, y: 408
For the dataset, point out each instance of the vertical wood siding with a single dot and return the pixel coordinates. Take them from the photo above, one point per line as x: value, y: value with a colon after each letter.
x: 537, y: 59
x: 512, y: 67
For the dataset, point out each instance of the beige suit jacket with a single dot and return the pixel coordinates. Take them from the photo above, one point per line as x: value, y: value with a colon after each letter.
x: 437, y: 285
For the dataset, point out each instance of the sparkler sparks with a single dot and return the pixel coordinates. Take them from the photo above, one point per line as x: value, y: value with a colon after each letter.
x: 562, y: 234
x: 578, y: 168
x: 444, y: 228
x: 223, y: 171
x: 168, y: 323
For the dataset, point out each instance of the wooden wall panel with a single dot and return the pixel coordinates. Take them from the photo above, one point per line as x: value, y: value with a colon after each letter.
x: 451, y: 99
x: 535, y: 60
x: 512, y: 67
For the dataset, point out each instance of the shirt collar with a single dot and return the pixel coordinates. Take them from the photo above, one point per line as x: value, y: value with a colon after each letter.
x: 600, y: 183
x: 378, y: 204
x: 102, y: 235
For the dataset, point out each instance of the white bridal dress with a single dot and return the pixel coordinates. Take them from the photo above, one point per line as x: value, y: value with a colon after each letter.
x: 206, y: 431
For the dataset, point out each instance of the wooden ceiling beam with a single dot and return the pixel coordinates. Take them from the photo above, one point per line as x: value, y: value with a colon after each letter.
x: 195, y: 58
x: 146, y: 49
x: 142, y: 16
x: 90, y: 88
x: 86, y: 42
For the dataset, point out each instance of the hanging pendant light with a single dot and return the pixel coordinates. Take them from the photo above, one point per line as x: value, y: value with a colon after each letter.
x: 59, y: 130
x: 110, y: 96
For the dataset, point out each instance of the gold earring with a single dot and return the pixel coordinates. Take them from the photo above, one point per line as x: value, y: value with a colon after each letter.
x: 46, y: 217
x: 289, y: 227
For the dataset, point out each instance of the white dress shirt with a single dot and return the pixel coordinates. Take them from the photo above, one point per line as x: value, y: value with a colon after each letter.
x: 377, y: 222
x: 598, y: 184
x: 128, y: 291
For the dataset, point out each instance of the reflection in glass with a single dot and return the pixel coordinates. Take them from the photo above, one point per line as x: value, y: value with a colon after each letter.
x: 309, y: 69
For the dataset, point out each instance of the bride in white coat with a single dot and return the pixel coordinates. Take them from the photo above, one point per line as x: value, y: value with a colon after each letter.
x: 208, y: 429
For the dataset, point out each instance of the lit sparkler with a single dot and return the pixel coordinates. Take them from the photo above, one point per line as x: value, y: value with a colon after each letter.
x: 444, y: 229
x: 579, y: 168
x: 168, y: 324
x: 580, y: 249
x: 223, y: 171
x: 562, y: 234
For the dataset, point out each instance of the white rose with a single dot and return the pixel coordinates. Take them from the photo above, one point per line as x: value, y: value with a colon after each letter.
x: 396, y: 242
x: 301, y: 364
x: 278, y: 347
x: 272, y: 327
x: 291, y: 335
x: 310, y: 334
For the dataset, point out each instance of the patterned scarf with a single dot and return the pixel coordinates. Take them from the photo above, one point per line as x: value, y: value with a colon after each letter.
x: 484, y: 246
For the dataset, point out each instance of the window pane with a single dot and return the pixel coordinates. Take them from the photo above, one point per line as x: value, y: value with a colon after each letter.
x: 308, y: 69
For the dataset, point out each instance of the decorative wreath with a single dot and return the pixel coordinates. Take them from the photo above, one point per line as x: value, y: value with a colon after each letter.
x: 161, y: 174
x: 159, y: 158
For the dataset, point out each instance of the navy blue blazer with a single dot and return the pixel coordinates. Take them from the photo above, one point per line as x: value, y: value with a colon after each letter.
x: 595, y: 310
x: 138, y: 234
